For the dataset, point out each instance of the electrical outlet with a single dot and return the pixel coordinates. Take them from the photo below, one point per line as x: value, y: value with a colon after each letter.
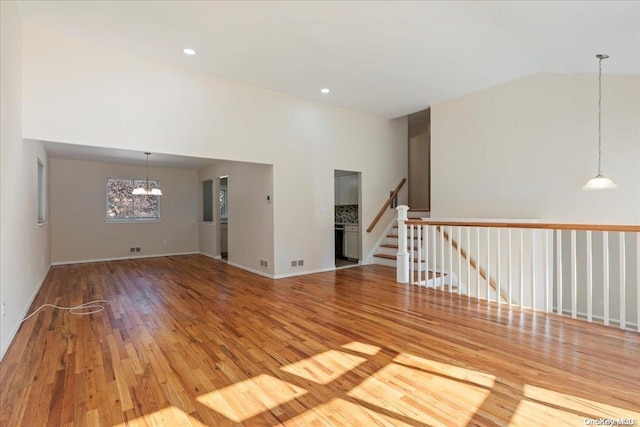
x: 137, y: 249
x: 264, y: 263
x: 132, y: 249
x: 300, y: 262
x: 294, y: 263
x: 4, y: 309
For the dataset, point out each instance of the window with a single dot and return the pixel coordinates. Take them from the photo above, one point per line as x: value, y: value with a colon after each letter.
x: 223, y: 199
x: 124, y: 206
x: 207, y: 201
x: 41, y: 191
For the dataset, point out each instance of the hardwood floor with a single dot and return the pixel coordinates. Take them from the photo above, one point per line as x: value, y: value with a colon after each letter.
x: 192, y: 341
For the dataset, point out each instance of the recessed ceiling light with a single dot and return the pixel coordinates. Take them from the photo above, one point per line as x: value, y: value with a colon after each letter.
x: 189, y: 51
x: 325, y: 90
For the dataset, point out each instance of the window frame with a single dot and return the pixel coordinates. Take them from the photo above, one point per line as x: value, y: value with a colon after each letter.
x: 132, y: 219
x: 42, y: 192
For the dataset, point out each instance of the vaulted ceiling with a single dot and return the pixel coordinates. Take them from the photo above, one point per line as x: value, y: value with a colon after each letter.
x: 385, y: 58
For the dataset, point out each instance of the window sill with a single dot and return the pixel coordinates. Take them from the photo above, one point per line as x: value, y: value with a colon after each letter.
x: 131, y: 221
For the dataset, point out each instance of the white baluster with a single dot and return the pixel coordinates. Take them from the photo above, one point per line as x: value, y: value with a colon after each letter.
x: 638, y: 281
x: 459, y: 257
x: 402, y: 256
x: 589, y: 277
x: 434, y: 229
x: 509, y: 267
x: 442, y: 256
x: 425, y: 250
x: 574, y: 276
x: 450, y: 246
x: 468, y: 260
x: 623, y: 280
x: 559, y: 266
x: 605, y: 275
x: 533, y: 269
x: 412, y: 260
x: 478, y: 263
x: 521, y: 268
x: 547, y: 282
x: 499, y: 279
x: 419, y: 246
x: 488, y: 263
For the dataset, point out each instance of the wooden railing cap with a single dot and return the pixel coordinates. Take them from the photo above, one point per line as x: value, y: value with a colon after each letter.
x: 534, y: 225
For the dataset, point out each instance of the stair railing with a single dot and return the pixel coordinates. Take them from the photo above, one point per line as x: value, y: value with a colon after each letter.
x: 586, y: 271
x: 386, y: 204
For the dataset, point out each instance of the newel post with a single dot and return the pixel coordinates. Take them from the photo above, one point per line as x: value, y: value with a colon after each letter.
x: 402, y: 257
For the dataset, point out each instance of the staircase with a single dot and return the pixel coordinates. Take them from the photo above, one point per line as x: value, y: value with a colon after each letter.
x: 386, y: 252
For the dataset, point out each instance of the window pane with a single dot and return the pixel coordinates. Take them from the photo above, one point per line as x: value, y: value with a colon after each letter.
x: 40, y: 191
x: 119, y: 199
x: 207, y: 201
x: 122, y: 204
x: 223, y: 204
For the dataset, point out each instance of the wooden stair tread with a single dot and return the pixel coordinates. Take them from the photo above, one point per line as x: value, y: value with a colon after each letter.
x: 395, y: 236
x: 386, y: 245
x: 392, y: 257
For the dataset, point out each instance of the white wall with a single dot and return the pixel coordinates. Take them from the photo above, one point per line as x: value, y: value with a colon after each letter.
x: 82, y: 93
x: 24, y: 248
x: 524, y: 149
x: 79, y: 231
x: 250, y: 216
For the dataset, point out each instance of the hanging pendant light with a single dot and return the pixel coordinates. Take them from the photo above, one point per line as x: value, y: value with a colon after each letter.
x: 599, y: 182
x: 145, y: 191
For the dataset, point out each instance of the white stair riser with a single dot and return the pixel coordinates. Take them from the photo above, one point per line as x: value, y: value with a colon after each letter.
x: 385, y: 262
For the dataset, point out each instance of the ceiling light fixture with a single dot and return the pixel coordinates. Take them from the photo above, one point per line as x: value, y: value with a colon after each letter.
x: 599, y: 182
x: 146, y: 191
x: 325, y: 90
x: 189, y: 51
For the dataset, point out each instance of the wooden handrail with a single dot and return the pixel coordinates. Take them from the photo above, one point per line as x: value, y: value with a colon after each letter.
x: 472, y: 263
x: 540, y: 225
x: 386, y: 205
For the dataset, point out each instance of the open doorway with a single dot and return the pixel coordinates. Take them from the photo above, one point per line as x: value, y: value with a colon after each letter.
x: 347, y: 230
x: 223, y: 209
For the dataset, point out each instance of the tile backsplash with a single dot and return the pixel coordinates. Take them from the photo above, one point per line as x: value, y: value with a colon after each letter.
x: 347, y: 214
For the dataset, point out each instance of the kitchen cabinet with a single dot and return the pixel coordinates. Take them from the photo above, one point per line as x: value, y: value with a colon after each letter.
x: 351, y: 242
x: 346, y: 190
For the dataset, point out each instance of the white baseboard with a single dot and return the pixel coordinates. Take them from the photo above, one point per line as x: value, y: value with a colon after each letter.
x: 630, y: 326
x: 8, y: 340
x: 304, y: 273
x: 83, y: 261
x: 251, y: 270
x: 218, y: 257
x: 280, y: 276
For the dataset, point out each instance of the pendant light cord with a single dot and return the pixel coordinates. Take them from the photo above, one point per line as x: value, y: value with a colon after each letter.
x: 148, y: 167
x: 600, y: 118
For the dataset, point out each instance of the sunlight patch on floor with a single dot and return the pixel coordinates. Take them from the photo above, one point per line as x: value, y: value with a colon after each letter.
x: 421, y: 396
x: 324, y: 367
x: 251, y: 397
x: 169, y: 416
x: 531, y: 413
x: 444, y: 369
x: 585, y: 407
x: 359, y: 347
x: 339, y: 412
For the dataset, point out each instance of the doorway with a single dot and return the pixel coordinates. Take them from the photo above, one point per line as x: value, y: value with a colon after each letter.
x: 347, y: 224
x: 223, y: 212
